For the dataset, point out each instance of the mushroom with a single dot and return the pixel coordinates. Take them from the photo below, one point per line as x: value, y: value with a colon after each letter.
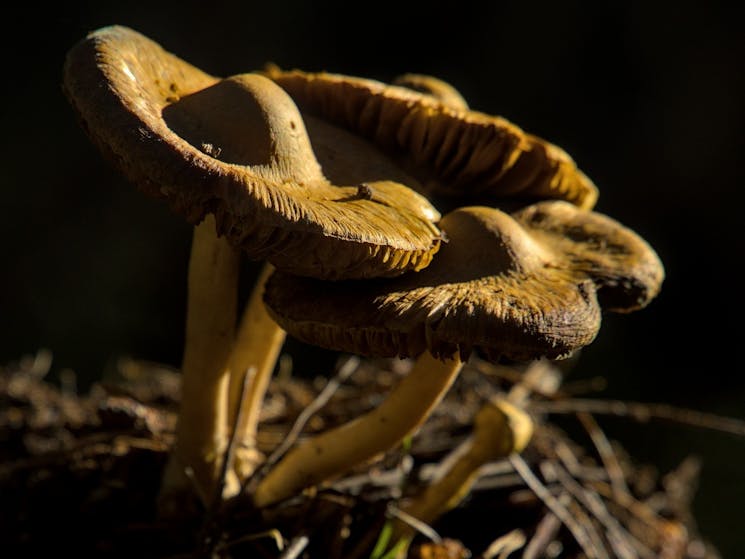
x: 434, y: 87
x: 516, y: 287
x: 234, y: 158
x: 455, y: 153
x: 499, y: 429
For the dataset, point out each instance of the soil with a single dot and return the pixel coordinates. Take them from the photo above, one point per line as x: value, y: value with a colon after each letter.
x: 80, y: 474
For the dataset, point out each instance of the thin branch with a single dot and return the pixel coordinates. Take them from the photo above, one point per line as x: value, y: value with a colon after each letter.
x: 585, y: 472
x: 272, y: 534
x: 505, y: 545
x: 584, y: 519
x: 437, y: 471
x: 605, y: 451
x: 545, y: 532
x: 227, y: 463
x: 496, y: 482
x: 345, y: 371
x: 584, y: 386
x: 642, y: 412
x: 391, y: 478
x: 637, y: 508
x: 296, y: 547
x: 421, y: 527
x: 578, y: 531
x: 618, y: 536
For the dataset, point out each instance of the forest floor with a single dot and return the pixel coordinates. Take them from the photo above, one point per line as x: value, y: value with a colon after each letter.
x: 80, y: 473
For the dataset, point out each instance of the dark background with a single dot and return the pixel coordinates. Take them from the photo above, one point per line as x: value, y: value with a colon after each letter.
x: 648, y: 100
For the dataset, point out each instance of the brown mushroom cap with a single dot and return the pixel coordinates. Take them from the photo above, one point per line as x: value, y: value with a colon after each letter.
x: 508, y: 287
x: 451, y: 150
x: 435, y: 87
x: 489, y: 287
x: 626, y: 271
x: 238, y: 148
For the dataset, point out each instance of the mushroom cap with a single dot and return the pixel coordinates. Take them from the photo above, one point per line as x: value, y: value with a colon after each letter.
x: 491, y: 287
x: 433, y: 86
x: 239, y: 148
x: 625, y: 269
x: 505, y: 286
x: 453, y: 151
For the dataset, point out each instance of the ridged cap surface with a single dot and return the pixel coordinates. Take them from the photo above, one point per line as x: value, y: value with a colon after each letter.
x: 451, y: 150
x: 239, y: 148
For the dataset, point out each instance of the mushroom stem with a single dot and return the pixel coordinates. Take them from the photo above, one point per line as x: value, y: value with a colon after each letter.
x: 201, y: 433
x: 332, y: 453
x: 256, y: 348
x: 499, y: 430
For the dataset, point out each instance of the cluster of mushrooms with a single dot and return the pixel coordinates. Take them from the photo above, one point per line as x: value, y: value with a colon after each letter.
x: 337, y: 184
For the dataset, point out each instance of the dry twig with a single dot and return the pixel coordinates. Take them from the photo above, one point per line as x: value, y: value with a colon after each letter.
x: 344, y: 372
x: 505, y: 545
x: 578, y: 531
x: 642, y: 412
